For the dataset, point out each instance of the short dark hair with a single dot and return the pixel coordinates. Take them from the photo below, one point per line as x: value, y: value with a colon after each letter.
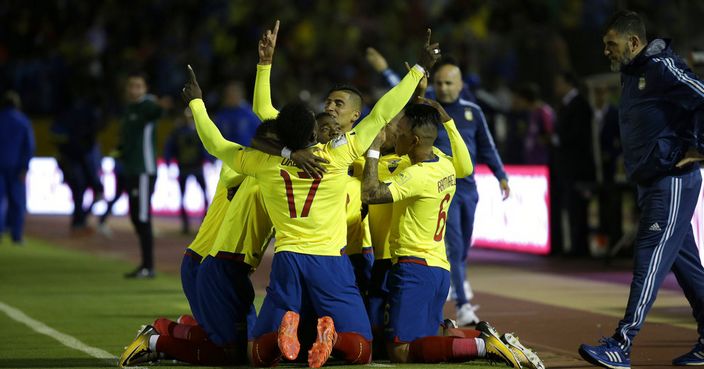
x: 627, y: 22
x: 322, y: 115
x: 571, y: 78
x: 295, y: 125
x: 445, y: 60
x: 528, y: 91
x: 137, y: 74
x: 353, y: 91
x: 421, y: 115
x: 10, y: 99
x: 267, y: 126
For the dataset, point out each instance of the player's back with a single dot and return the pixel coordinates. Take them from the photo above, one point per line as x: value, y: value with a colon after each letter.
x: 308, y: 213
x: 418, y: 223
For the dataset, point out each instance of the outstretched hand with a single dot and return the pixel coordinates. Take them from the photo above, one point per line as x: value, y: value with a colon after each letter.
x: 309, y: 162
x: 429, y: 54
x: 691, y: 156
x: 267, y: 44
x: 376, y: 60
x: 191, y: 90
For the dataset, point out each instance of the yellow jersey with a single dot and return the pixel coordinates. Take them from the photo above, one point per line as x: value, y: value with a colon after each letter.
x: 208, y: 230
x: 380, y: 214
x: 422, y: 194
x: 246, y: 226
x: 358, y: 236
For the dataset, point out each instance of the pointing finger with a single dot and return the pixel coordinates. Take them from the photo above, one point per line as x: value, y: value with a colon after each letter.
x: 427, y: 42
x: 191, y: 74
x: 276, y: 27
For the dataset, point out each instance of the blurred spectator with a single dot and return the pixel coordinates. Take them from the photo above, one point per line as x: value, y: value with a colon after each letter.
x: 235, y: 119
x: 75, y: 132
x: 185, y: 147
x: 610, y: 197
x: 572, y: 168
x: 540, y: 124
x: 138, y: 155
x: 16, y: 148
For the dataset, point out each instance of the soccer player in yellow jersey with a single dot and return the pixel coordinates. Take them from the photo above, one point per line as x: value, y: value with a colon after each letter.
x: 309, y: 217
x: 418, y: 284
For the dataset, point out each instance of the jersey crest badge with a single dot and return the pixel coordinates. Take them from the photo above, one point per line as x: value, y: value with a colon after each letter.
x: 393, y: 164
x: 468, y: 114
x: 403, y: 177
x: 641, y: 83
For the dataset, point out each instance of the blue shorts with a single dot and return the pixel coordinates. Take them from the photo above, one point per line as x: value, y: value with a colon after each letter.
x: 417, y: 295
x: 324, y: 285
x: 189, y: 271
x: 362, y: 264
x: 225, y: 299
x: 378, y: 294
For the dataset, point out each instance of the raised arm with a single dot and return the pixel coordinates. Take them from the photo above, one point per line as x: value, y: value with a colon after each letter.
x: 395, y: 99
x: 460, y: 154
x: 373, y: 190
x: 262, y: 105
x: 208, y: 132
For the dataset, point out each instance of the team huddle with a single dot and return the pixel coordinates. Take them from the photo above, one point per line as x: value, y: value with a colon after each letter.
x: 358, y: 220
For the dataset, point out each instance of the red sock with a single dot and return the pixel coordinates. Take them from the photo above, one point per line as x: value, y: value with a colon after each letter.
x: 193, y: 333
x: 165, y: 327
x: 187, y: 320
x: 265, y: 351
x: 197, y: 353
x: 464, y: 333
x: 442, y: 349
x: 353, y: 348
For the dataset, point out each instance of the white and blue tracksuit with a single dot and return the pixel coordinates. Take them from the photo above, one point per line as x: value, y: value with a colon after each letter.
x: 659, y: 100
x: 16, y: 148
x: 473, y: 128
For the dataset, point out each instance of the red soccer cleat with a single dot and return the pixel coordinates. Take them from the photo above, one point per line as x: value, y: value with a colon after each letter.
x: 320, y: 352
x: 288, y: 335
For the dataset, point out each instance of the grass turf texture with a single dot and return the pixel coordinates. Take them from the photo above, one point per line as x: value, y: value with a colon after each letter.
x: 85, y: 296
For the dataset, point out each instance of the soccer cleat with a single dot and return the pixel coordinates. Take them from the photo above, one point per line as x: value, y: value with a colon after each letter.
x: 495, y: 348
x: 288, y: 335
x: 608, y: 355
x: 187, y: 320
x: 693, y: 357
x: 138, y: 351
x: 527, y: 357
x: 322, y: 347
x: 466, y: 315
x: 141, y: 273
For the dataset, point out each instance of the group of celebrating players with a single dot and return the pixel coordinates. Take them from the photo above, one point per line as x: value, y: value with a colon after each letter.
x: 344, y: 275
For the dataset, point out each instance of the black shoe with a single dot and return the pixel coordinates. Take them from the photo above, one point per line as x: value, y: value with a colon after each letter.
x: 141, y: 273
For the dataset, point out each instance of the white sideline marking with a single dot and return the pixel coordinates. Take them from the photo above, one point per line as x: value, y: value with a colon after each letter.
x: 64, y: 339
x: 378, y: 365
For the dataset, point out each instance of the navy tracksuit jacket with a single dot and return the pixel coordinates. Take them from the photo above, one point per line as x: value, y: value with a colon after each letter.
x: 660, y: 98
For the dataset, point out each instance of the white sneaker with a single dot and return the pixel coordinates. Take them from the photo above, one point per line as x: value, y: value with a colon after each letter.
x: 466, y: 315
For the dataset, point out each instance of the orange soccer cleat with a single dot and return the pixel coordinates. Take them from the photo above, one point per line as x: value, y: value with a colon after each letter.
x: 322, y: 348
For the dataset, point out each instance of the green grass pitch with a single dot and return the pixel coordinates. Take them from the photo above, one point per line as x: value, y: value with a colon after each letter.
x: 85, y: 296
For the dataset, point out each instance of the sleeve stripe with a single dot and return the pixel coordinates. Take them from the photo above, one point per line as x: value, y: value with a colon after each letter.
x: 695, y: 85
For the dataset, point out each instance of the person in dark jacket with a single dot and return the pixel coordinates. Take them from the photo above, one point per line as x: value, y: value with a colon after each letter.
x: 138, y: 157
x: 16, y: 149
x: 660, y: 97
x: 572, y: 166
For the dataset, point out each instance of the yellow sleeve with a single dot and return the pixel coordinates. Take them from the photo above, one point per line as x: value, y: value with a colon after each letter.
x: 212, y: 139
x: 460, y: 154
x: 385, y: 109
x: 262, y: 94
x: 408, y: 183
x: 230, y: 178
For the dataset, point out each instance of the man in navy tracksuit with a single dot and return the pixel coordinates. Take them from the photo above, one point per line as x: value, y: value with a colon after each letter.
x: 447, y: 85
x: 16, y: 148
x: 659, y: 100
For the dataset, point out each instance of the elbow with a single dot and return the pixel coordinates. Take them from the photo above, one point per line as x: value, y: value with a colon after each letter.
x: 366, y: 199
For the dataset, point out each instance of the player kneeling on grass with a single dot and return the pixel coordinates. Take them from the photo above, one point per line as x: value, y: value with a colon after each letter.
x: 419, y: 281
